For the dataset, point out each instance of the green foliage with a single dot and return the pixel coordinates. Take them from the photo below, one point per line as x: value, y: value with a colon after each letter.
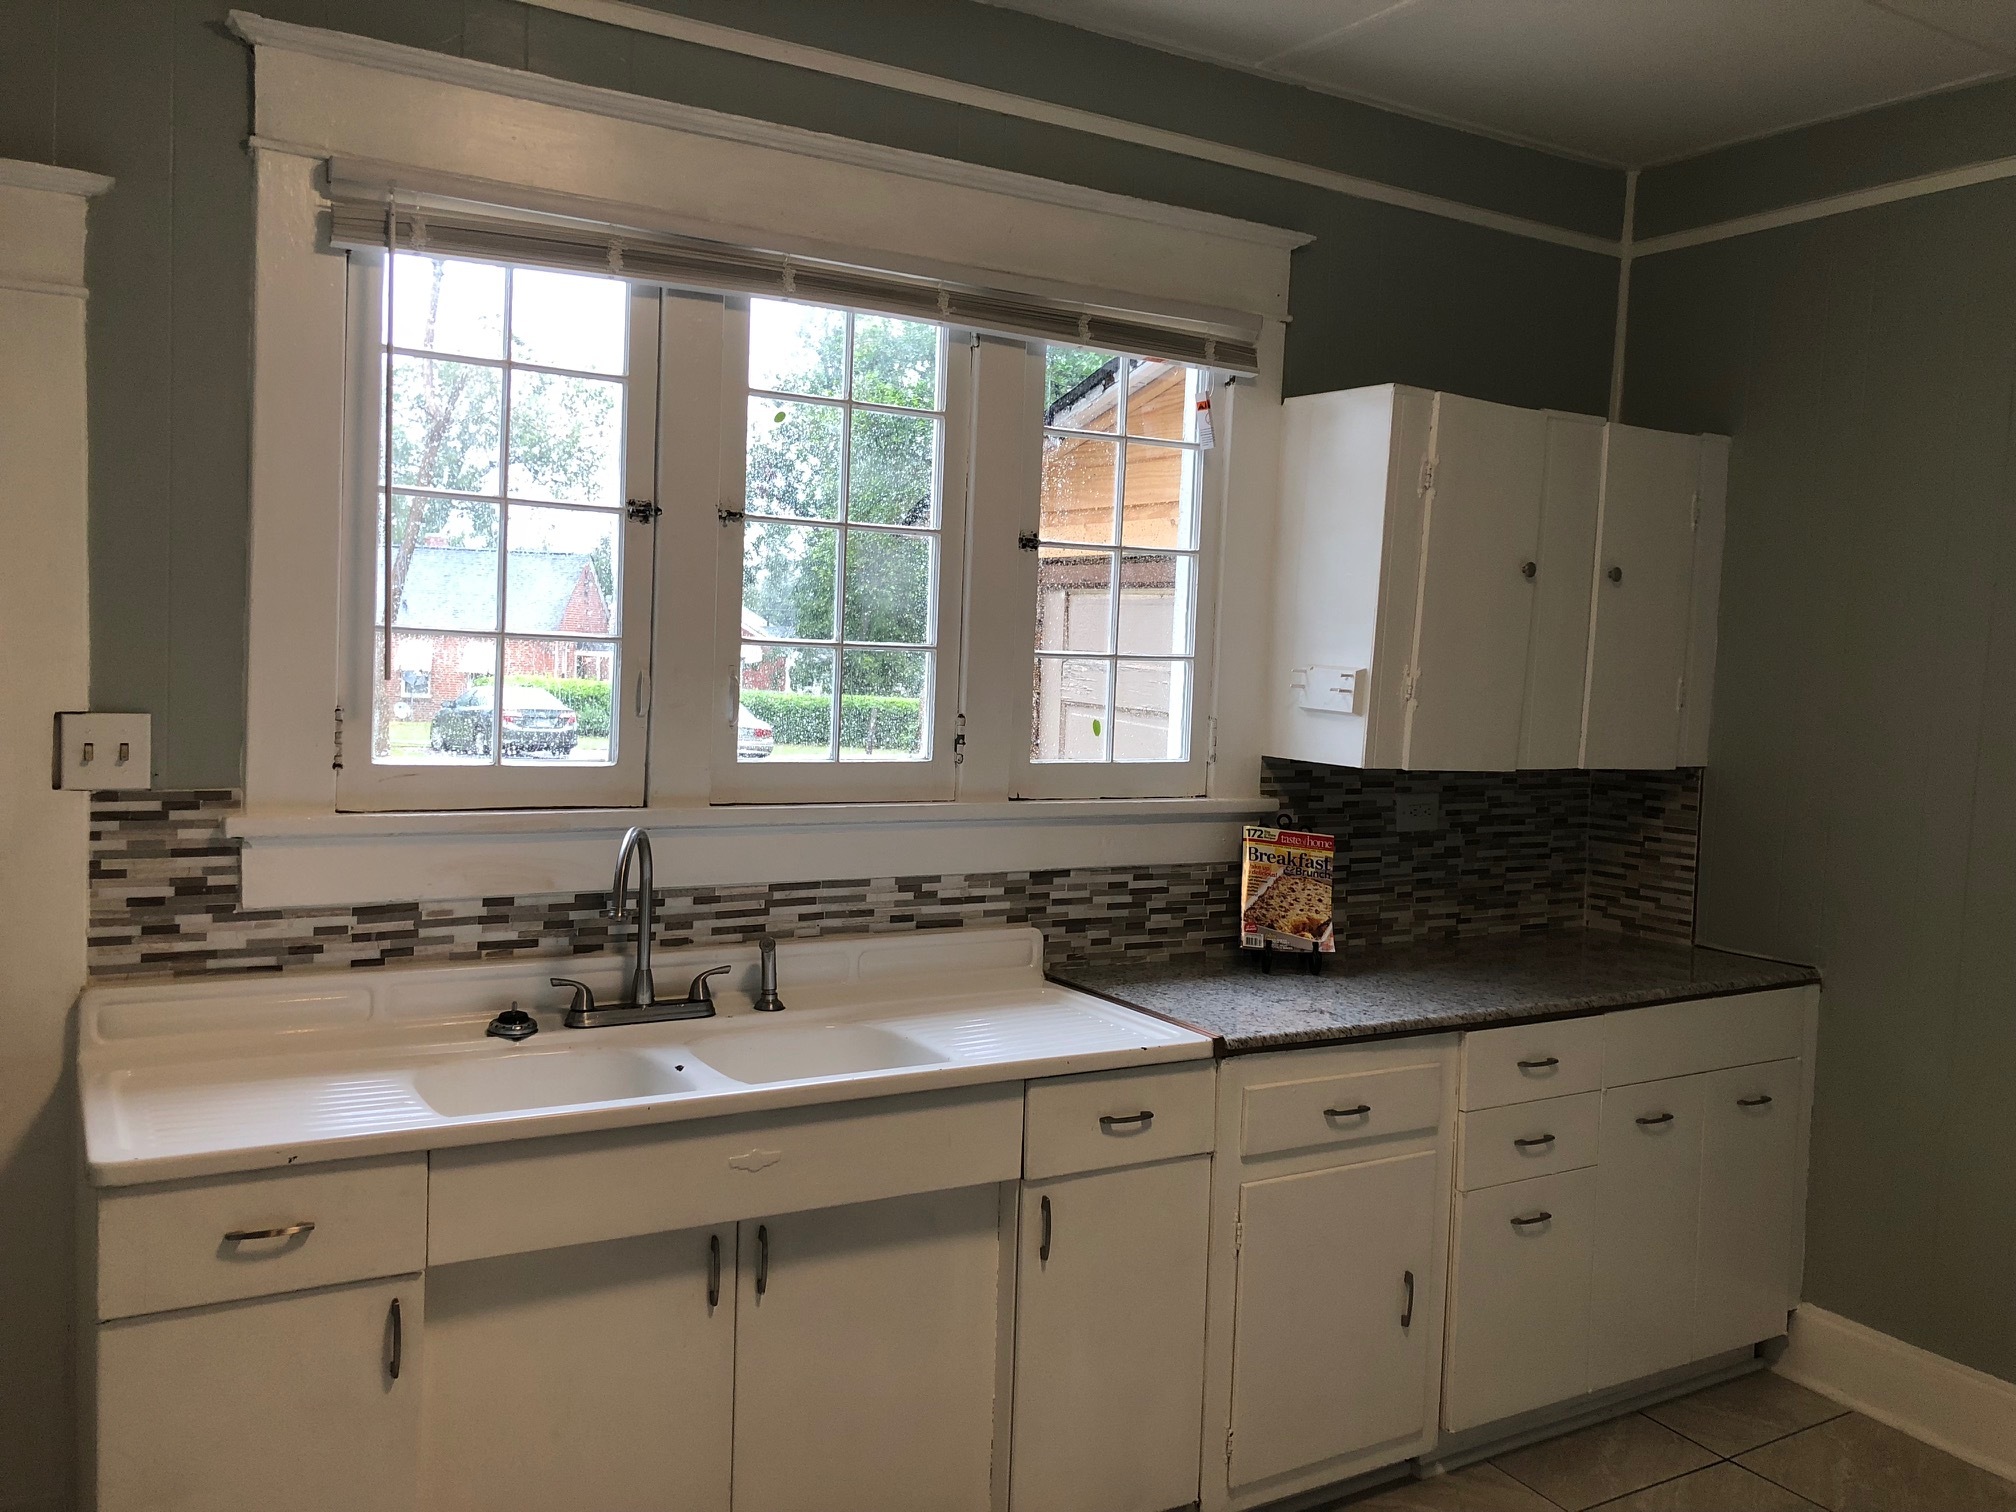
x: 588, y: 697
x: 1064, y: 368
x: 802, y: 718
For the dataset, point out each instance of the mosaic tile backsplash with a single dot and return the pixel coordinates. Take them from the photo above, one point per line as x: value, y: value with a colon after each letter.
x: 1515, y: 852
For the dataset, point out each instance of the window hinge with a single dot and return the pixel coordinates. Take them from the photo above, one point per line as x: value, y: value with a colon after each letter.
x: 1211, y: 740
x: 1228, y: 1444
x: 1027, y: 540
x: 959, y: 742
x: 729, y: 516
x: 1410, y: 686
x: 1427, y: 474
x: 1238, y: 1236
x: 336, y: 763
x: 643, y: 511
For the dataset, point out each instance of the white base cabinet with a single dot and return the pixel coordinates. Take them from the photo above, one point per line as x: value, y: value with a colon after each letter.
x: 309, y: 1400
x: 1751, y: 1203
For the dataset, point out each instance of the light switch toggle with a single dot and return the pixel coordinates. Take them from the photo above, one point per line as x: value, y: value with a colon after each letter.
x: 110, y: 751
x: 1331, y: 690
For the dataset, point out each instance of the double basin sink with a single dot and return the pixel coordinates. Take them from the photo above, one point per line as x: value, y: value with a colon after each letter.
x: 532, y: 1076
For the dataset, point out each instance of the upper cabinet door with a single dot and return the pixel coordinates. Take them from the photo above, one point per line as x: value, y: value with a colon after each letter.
x: 1557, y: 659
x: 1481, y: 544
x: 1639, y: 623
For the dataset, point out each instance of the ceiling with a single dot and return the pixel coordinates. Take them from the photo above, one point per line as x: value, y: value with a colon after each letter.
x: 1626, y: 82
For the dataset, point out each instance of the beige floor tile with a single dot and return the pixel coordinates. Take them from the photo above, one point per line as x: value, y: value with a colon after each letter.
x: 1738, y: 1415
x: 1855, y: 1464
x: 1609, y: 1460
x: 1476, y: 1488
x: 1719, y: 1488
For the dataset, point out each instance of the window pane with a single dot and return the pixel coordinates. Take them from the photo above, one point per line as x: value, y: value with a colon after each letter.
x: 787, y: 580
x: 1074, y: 600
x: 569, y: 320
x: 441, y: 305
x: 787, y: 704
x: 1156, y: 593
x: 566, y: 439
x: 1151, y: 707
x: 794, y: 459
x: 560, y: 571
x: 1077, y: 499
x: 557, y: 701
x: 888, y: 587
x: 443, y: 563
x: 1080, y: 392
x: 797, y: 349
x: 445, y: 424
x: 1157, y: 507
x: 1071, y: 720
x: 436, y: 709
x: 885, y: 705
x: 893, y: 469
x: 895, y: 362
x: 1161, y: 399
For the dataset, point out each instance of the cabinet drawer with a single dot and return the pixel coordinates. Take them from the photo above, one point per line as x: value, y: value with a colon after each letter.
x: 1521, y: 1140
x: 1091, y: 1123
x: 191, y: 1243
x: 1682, y: 1039
x: 1341, y: 1110
x: 1525, y: 1062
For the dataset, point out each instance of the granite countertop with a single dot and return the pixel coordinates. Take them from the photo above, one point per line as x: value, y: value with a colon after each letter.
x: 1369, y: 995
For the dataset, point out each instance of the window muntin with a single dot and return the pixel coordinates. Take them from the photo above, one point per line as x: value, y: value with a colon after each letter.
x: 1118, y: 543
x: 843, y: 539
x: 501, y: 550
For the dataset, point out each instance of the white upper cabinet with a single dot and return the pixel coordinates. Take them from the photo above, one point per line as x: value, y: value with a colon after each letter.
x: 1465, y: 586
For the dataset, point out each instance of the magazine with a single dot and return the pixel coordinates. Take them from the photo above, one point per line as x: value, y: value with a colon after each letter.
x: 1284, y: 892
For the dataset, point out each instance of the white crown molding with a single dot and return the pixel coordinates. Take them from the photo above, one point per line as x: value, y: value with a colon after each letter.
x: 15, y: 174
x: 1948, y: 1405
x: 442, y: 68
x: 1001, y: 102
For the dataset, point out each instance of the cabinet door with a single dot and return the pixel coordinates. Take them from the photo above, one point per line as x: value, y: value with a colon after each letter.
x: 1647, y: 1213
x: 865, y: 1356
x: 1109, y: 1340
x: 289, y: 1400
x: 1644, y: 586
x: 1557, y: 659
x: 1328, y: 1357
x: 1749, y: 1214
x: 1519, y: 1298
x: 598, y: 1375
x: 1476, y: 610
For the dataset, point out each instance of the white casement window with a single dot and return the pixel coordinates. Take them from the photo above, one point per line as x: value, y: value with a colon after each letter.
x: 501, y: 592
x: 841, y: 581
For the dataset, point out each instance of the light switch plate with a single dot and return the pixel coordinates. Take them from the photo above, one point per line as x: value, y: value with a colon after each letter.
x: 104, y: 751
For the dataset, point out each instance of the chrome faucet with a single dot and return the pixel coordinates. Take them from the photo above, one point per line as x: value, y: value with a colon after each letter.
x: 645, y: 1006
x: 767, y: 1000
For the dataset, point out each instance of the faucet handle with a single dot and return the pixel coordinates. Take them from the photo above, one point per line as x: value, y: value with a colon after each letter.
x: 584, y: 999
x: 698, y: 991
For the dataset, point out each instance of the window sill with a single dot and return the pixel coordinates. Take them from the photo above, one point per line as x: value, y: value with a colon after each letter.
x: 302, y: 860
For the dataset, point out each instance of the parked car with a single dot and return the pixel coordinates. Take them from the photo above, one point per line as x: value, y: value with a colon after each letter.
x: 535, y: 723
x: 754, y: 739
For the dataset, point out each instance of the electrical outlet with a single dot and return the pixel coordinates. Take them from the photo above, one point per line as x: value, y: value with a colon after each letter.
x: 1415, y: 812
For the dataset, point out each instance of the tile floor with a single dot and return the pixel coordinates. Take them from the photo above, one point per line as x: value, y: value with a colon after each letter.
x: 1758, y: 1443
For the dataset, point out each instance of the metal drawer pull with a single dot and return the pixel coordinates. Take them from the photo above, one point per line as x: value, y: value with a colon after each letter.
x: 239, y: 1236
x: 396, y: 1322
x: 1043, y: 1249
x: 1754, y: 1102
x: 1407, y: 1310
x: 1541, y: 1064
x: 1115, y: 1120
x: 1655, y: 1118
x: 762, y: 1258
x: 1532, y: 1218
x: 1358, y: 1112
x: 1535, y: 1142
x: 713, y: 1271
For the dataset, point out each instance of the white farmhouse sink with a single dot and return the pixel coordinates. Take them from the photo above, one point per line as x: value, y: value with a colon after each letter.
x: 779, y: 1053
x: 566, y: 1076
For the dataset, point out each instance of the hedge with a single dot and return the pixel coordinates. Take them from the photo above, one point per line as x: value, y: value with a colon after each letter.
x: 801, y: 718
x: 586, y: 696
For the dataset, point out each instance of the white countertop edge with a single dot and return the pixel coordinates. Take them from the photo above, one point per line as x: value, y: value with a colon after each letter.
x: 112, y: 1173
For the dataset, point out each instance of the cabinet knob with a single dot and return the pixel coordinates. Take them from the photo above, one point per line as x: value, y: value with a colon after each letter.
x: 1360, y: 1111
x: 1542, y: 1064
x: 1407, y: 1307
x: 1754, y: 1102
x: 1043, y: 1249
x: 1530, y: 571
x: 1536, y: 1141
x: 1529, y: 1219
x: 1649, y: 1119
x: 1125, y: 1120
x: 1615, y: 574
x: 395, y: 1325
x: 287, y: 1231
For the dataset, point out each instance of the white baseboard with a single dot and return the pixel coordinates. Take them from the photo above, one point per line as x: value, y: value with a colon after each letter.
x: 1947, y: 1404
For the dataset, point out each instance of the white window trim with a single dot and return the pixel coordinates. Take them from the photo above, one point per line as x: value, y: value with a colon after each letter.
x: 312, y: 105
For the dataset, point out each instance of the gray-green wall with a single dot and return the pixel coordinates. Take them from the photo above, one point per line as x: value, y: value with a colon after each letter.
x: 1860, y: 809
x: 155, y: 93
